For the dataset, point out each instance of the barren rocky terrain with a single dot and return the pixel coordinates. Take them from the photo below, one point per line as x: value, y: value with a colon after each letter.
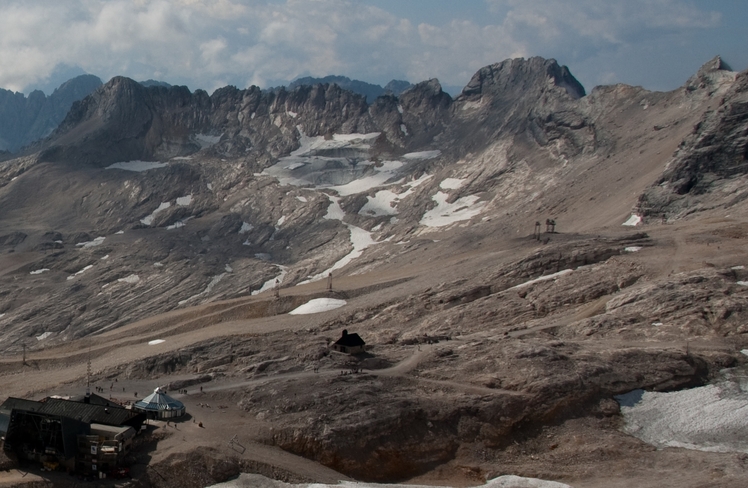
x: 155, y: 214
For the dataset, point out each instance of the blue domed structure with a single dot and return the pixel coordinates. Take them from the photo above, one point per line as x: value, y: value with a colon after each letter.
x: 158, y: 405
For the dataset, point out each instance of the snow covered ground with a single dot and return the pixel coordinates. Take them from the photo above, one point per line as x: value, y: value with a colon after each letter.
x: 708, y: 418
x: 137, y: 166
x: 318, y: 305
x: 360, y: 240
x: 246, y: 480
x: 633, y: 221
x: 446, y: 213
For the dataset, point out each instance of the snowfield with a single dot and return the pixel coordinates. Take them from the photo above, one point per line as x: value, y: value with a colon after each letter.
x: 708, y: 418
x: 445, y: 213
x: 318, y: 305
x: 246, y: 480
x: 137, y: 166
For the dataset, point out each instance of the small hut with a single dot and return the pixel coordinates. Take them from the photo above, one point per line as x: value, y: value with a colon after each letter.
x: 158, y: 405
x: 349, y: 343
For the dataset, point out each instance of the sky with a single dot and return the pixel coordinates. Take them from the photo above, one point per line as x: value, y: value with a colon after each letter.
x: 212, y: 43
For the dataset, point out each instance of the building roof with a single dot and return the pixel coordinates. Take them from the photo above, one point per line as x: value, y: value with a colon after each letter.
x: 350, y: 340
x: 82, y: 412
x: 95, y: 399
x: 158, y: 400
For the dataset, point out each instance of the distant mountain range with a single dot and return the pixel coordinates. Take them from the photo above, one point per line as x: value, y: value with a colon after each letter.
x: 369, y: 90
x: 24, y: 120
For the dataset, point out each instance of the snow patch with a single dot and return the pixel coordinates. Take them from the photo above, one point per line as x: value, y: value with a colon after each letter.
x: 155, y: 342
x: 633, y: 221
x: 404, y: 129
x: 451, y: 183
x: 301, y: 199
x: 448, y: 213
x: 632, y: 249
x: 80, y: 272
x: 246, y: 228
x: 184, y: 201
x: 149, y: 219
x: 708, y: 418
x: 137, y: 165
x: 176, y: 225
x: 96, y: 242
x: 382, y: 203
x: 318, y: 305
x: 742, y: 283
x: 43, y: 336
x: 39, y: 271
x: 206, y: 140
x: 133, y: 278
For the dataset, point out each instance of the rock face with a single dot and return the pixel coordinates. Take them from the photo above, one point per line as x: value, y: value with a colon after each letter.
x: 714, y: 154
x: 24, y: 120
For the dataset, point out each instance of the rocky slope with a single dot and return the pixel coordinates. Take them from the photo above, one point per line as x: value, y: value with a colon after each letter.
x: 423, y: 206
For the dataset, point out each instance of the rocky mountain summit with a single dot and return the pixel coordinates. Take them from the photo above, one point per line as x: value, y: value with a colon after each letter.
x: 514, y: 257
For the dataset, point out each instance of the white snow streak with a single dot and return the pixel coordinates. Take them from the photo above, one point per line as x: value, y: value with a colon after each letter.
x: 96, y: 242
x: 542, y: 278
x: 80, y: 272
x: 423, y: 154
x: 43, y: 336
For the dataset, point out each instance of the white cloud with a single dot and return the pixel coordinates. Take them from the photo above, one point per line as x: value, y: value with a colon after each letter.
x: 207, y: 43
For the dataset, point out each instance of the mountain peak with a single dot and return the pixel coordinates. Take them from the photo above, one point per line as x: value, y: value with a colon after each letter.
x: 518, y: 75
